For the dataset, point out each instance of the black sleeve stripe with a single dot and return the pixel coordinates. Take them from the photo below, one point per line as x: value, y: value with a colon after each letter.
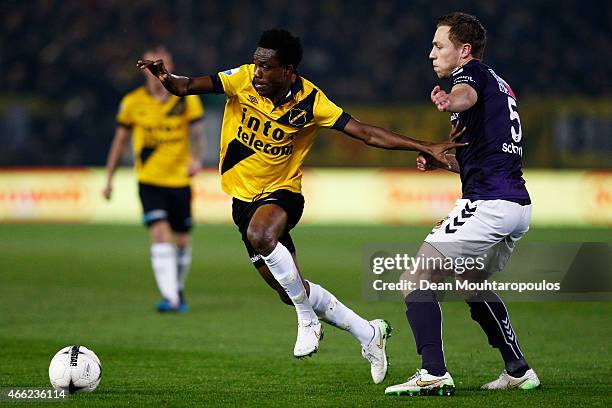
x: 342, y: 121
x: 217, y: 84
x: 125, y: 125
x: 195, y: 120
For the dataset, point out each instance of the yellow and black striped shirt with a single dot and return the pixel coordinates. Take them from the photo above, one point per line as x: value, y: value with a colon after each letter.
x: 263, y: 146
x: 160, y: 135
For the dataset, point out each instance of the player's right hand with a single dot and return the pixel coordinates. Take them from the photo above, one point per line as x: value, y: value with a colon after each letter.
x: 107, y: 191
x: 440, y: 98
x: 157, y: 68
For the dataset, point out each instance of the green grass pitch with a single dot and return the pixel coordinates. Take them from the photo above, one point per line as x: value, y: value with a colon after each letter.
x: 92, y: 285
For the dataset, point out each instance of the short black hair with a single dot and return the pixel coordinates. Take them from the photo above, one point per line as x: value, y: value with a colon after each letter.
x: 287, y: 46
x: 465, y: 29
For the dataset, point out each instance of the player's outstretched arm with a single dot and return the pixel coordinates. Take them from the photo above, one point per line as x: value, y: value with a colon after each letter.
x: 385, y: 139
x: 175, y: 84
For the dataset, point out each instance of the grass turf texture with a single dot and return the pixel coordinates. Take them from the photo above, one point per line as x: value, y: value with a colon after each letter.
x: 92, y: 285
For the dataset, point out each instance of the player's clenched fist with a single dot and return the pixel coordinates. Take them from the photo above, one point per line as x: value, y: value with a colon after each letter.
x: 440, y: 98
x: 155, y: 67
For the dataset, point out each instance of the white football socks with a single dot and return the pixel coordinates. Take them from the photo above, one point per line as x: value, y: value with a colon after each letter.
x: 163, y: 260
x: 183, y: 258
x: 332, y: 311
x: 281, y: 265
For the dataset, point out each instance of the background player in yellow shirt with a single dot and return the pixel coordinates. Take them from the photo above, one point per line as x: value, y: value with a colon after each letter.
x: 167, y: 144
x: 271, y: 117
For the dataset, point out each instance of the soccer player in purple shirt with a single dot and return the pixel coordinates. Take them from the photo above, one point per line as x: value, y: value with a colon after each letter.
x: 486, y: 223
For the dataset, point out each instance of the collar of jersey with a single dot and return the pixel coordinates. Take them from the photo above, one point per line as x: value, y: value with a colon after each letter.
x: 293, y: 91
x: 466, y: 64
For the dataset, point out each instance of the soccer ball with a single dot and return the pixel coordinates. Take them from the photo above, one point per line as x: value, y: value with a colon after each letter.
x: 75, y: 369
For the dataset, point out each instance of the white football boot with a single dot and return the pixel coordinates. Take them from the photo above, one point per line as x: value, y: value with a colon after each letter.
x: 505, y: 381
x: 310, y: 332
x: 375, y: 351
x: 423, y: 383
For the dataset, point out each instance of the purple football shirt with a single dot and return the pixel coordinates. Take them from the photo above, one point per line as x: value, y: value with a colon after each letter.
x: 491, y: 165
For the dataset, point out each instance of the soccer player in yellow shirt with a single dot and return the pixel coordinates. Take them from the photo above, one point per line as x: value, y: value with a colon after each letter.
x: 272, y: 115
x: 166, y: 133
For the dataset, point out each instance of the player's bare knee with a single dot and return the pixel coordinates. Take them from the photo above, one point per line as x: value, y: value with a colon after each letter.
x: 262, y: 240
x: 422, y: 275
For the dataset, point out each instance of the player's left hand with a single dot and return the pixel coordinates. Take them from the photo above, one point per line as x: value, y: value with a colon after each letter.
x: 440, y: 98
x: 194, y: 167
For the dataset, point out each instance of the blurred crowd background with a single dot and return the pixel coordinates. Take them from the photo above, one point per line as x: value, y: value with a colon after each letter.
x: 67, y: 63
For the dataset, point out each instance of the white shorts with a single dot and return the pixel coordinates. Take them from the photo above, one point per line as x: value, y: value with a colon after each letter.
x: 482, y: 228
